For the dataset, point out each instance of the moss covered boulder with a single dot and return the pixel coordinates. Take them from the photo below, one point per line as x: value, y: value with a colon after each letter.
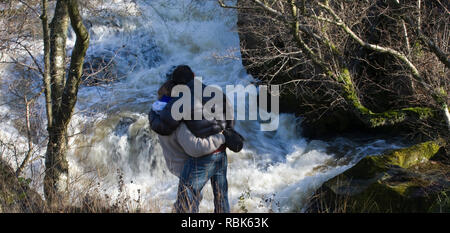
x: 403, y: 180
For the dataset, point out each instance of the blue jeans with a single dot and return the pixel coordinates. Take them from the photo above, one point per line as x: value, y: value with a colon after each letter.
x: 196, y: 172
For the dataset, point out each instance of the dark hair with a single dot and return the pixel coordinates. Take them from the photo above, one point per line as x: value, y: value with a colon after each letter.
x: 182, y: 75
x: 166, y: 89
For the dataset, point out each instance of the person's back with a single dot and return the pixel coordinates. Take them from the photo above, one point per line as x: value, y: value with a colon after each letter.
x: 203, y: 143
x: 182, y: 150
x: 181, y: 144
x: 201, y: 128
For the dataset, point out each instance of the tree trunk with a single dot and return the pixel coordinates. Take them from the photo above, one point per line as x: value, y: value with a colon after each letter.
x: 46, y: 73
x: 63, y: 95
x: 55, y: 161
x: 57, y: 167
x: 58, y: 38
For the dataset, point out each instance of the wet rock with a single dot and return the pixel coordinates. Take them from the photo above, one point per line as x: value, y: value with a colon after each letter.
x: 123, y: 125
x: 401, y: 180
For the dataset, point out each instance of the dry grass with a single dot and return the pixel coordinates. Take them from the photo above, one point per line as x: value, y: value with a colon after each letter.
x: 16, y: 196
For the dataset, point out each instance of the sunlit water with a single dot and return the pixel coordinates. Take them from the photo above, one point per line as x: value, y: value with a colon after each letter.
x: 276, y: 171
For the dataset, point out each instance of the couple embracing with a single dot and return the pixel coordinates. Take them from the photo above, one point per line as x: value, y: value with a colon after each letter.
x: 194, y: 150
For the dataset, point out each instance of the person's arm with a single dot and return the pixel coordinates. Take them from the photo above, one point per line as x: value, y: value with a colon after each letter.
x: 195, y: 146
x: 163, y: 123
x: 158, y: 124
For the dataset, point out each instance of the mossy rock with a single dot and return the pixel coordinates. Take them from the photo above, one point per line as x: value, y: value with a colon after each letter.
x: 398, y: 181
x: 372, y: 165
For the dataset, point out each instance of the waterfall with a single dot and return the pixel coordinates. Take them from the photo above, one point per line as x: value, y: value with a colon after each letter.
x: 276, y: 171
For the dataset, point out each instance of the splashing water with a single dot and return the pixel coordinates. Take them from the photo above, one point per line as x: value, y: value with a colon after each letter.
x: 276, y: 171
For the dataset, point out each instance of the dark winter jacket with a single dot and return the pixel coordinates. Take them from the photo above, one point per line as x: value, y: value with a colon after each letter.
x: 164, y: 124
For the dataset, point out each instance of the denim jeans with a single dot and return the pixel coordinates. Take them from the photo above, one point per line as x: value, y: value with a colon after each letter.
x: 196, y: 172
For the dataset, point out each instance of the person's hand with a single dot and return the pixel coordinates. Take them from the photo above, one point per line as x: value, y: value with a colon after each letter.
x: 233, y: 140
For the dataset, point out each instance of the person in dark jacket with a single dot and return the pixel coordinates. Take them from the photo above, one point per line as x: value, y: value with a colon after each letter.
x: 165, y: 124
x: 179, y: 146
x: 198, y: 170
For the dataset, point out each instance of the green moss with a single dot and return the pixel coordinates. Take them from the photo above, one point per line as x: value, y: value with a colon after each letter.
x: 397, y: 116
x: 404, y: 158
x: 401, y: 188
x: 378, y: 119
x: 385, y: 183
x: 417, y: 49
x: 388, y: 117
x: 440, y: 96
x: 411, y: 156
x: 350, y: 92
x: 423, y: 113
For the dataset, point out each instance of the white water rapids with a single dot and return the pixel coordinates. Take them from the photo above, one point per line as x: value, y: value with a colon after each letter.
x: 276, y: 171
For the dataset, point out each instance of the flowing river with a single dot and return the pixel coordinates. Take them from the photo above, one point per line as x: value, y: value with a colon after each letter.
x: 275, y: 172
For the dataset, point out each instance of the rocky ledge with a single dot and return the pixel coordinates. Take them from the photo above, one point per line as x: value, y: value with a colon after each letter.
x: 414, y: 179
